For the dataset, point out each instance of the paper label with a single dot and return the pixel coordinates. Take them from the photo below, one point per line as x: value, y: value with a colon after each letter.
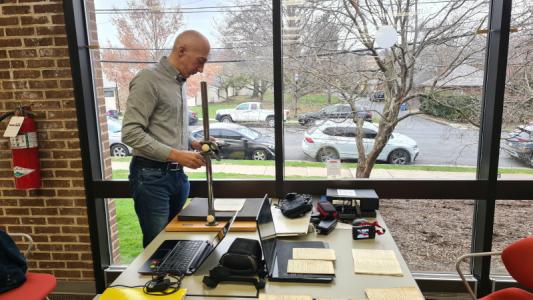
x: 14, y: 126
x: 333, y: 167
x: 350, y: 193
x: 24, y: 141
x: 20, y: 171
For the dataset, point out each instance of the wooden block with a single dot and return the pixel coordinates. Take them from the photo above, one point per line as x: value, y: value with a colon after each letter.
x: 200, y: 226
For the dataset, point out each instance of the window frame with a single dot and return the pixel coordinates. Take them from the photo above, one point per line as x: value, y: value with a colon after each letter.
x: 485, y: 188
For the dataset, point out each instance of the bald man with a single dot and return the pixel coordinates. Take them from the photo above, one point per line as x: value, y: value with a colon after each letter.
x: 155, y: 125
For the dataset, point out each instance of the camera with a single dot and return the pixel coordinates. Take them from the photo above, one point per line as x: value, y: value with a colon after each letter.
x: 362, y: 229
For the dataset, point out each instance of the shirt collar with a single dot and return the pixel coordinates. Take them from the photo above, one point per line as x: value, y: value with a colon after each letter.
x: 172, y: 70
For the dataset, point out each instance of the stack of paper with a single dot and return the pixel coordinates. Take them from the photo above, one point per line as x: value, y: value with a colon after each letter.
x: 376, y: 262
x: 229, y: 204
x: 313, y: 253
x: 310, y: 266
x: 290, y: 227
x: 311, y: 261
x: 404, y: 293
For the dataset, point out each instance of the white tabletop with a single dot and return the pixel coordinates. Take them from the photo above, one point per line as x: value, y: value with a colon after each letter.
x: 346, y: 284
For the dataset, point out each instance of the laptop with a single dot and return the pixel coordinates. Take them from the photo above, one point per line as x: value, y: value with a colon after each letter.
x: 183, y: 257
x: 277, y: 252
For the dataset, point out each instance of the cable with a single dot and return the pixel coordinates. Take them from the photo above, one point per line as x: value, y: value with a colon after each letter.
x: 173, y: 286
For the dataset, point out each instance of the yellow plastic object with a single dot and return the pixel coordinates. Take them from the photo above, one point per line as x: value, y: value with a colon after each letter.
x: 205, y: 148
x: 119, y: 293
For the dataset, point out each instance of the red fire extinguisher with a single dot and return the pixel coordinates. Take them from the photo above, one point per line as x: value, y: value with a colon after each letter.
x: 25, y: 151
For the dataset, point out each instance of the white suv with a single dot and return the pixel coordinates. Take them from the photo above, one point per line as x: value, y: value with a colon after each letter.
x: 334, y: 140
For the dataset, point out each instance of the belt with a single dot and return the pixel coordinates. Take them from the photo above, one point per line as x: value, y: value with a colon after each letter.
x: 148, y: 163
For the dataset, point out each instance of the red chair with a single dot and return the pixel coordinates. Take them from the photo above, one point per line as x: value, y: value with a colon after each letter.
x: 37, y: 285
x: 518, y: 260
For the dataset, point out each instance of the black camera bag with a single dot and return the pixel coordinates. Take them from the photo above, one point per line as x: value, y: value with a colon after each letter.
x: 295, y: 205
x: 241, y: 263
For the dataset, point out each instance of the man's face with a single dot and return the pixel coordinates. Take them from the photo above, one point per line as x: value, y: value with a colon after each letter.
x: 192, y: 60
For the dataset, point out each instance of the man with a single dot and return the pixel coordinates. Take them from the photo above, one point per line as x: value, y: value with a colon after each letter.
x: 155, y: 125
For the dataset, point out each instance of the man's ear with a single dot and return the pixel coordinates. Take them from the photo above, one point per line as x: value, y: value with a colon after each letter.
x: 181, y: 51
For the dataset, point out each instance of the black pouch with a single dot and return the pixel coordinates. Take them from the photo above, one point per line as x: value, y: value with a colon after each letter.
x: 241, y: 263
x: 244, y: 256
x: 295, y: 205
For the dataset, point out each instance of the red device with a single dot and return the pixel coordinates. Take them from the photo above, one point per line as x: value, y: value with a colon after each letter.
x: 327, y: 210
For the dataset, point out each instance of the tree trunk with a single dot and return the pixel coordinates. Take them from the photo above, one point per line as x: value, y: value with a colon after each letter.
x: 255, y: 93
x: 329, y: 94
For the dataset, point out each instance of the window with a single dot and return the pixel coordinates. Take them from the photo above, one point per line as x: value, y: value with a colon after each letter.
x: 448, y: 137
x: 243, y: 107
x: 329, y: 64
x: 516, y: 151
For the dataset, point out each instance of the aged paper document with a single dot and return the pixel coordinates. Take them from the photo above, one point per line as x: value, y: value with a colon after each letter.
x: 403, y: 293
x: 308, y: 266
x: 229, y: 204
x: 377, y: 262
x: 313, y: 253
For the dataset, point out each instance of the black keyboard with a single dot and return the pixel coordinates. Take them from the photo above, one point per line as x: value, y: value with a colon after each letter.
x: 179, y: 258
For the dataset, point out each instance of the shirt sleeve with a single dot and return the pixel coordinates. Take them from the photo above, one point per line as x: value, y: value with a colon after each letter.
x: 142, y: 101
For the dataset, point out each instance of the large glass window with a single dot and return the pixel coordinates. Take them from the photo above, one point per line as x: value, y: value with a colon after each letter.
x: 404, y: 90
x: 516, y: 152
x: 134, y: 35
x: 411, y: 72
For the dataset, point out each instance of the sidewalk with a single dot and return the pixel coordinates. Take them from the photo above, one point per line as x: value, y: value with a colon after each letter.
x: 346, y: 173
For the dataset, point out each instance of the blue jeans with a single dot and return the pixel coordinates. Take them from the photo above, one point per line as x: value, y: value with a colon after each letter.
x: 159, y: 195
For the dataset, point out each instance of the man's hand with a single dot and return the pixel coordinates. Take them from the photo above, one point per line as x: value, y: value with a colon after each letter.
x: 196, y: 145
x: 189, y: 159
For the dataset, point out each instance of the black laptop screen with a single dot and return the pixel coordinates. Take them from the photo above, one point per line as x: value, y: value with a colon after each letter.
x: 267, y: 233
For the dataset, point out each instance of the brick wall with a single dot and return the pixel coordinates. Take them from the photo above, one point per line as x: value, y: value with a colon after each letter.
x: 35, y: 69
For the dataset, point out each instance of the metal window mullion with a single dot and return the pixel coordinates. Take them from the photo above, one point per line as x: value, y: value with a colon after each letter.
x: 80, y: 61
x: 489, y: 138
x: 278, y: 94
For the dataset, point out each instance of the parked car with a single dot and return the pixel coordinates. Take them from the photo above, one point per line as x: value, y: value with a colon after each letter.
x: 377, y: 96
x: 519, y: 143
x: 248, y: 112
x: 335, y: 111
x: 114, y: 129
x: 334, y: 140
x: 239, y: 142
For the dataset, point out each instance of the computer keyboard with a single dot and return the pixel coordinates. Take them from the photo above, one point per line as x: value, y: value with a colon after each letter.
x: 179, y: 258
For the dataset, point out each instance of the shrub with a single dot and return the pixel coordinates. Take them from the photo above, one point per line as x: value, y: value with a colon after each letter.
x: 457, y: 108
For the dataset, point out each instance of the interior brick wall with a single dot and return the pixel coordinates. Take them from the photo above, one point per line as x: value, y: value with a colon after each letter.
x: 35, y: 69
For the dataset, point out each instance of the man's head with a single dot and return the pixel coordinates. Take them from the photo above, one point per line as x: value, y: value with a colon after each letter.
x: 189, y: 53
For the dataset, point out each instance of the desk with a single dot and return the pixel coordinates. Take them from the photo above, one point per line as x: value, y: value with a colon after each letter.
x: 346, y: 284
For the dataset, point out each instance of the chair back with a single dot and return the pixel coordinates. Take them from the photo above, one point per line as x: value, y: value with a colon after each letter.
x: 518, y: 260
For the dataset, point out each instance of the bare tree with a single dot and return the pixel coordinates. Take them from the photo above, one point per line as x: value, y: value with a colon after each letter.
x: 519, y: 93
x: 143, y: 32
x: 421, y: 26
